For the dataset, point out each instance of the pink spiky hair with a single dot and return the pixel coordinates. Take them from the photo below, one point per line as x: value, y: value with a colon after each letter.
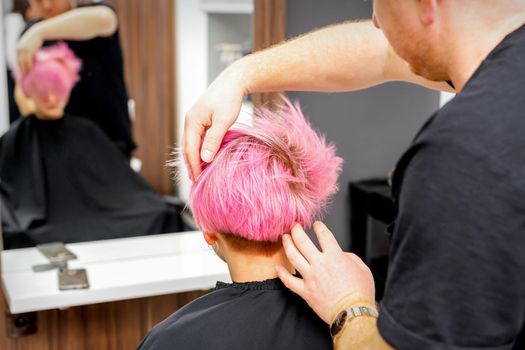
x: 55, y: 69
x: 266, y: 177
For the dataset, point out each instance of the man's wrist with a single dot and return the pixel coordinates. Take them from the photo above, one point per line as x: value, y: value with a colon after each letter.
x: 350, y: 301
x: 37, y: 31
x: 354, y: 324
x: 42, y: 30
x: 242, y: 73
x: 348, y: 315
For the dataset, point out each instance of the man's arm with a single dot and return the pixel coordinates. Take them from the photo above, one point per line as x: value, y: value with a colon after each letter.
x: 344, y: 57
x: 78, y: 24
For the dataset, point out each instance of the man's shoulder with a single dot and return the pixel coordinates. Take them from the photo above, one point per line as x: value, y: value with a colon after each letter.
x: 488, y: 109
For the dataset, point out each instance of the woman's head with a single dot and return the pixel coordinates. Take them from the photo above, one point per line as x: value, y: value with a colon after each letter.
x: 266, y: 177
x: 49, y: 82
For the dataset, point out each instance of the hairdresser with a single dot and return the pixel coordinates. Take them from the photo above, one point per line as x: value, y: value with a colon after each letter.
x: 457, y: 257
x: 91, y: 31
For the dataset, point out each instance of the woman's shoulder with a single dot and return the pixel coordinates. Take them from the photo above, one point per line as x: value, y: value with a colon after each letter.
x: 255, y: 315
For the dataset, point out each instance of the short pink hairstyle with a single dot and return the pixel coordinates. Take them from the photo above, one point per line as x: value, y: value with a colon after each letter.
x: 266, y: 177
x: 55, y: 70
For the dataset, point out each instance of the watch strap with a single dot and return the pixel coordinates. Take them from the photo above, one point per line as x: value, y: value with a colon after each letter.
x: 350, y: 313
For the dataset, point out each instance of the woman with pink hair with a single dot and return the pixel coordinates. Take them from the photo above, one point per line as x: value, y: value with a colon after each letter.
x: 265, y: 179
x: 45, y: 89
x: 62, y: 179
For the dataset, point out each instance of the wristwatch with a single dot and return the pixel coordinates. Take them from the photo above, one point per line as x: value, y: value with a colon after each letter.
x: 348, y: 314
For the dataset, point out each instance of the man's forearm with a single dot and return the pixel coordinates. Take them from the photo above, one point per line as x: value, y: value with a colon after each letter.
x: 79, y: 24
x: 344, y: 57
x: 359, y: 333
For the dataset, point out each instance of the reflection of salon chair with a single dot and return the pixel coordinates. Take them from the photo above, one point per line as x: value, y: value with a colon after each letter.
x: 371, y: 209
x: 64, y: 180
x: 14, y: 237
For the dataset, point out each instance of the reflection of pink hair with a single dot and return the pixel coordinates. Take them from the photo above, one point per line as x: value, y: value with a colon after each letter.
x: 55, y: 69
x: 267, y: 177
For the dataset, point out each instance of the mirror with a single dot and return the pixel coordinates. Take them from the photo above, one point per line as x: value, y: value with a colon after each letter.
x: 79, y: 179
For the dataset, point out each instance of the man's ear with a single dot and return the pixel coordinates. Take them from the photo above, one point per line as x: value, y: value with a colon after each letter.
x: 428, y: 11
x: 210, y: 238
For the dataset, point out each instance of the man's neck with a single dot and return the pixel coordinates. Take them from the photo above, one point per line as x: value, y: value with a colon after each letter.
x: 250, y: 267
x: 475, y: 44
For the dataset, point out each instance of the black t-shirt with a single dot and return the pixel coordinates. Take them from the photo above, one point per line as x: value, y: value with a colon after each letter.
x: 457, y: 266
x: 253, y: 315
x: 101, y: 95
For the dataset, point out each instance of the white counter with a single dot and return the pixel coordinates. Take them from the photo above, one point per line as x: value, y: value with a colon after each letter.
x: 117, y: 269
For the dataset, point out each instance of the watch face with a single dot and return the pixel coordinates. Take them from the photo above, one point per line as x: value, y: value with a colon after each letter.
x: 338, y: 323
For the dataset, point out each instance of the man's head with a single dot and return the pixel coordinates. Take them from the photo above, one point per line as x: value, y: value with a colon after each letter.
x: 265, y: 178
x: 437, y: 37
x: 51, y: 8
x: 49, y: 82
x: 414, y: 29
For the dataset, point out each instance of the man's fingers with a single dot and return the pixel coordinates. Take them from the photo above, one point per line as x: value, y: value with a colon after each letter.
x: 212, y: 140
x: 191, y: 146
x: 27, y: 63
x: 326, y: 239
x: 293, y: 283
x: 303, y: 243
x: 294, y: 256
x: 20, y: 62
x: 24, y: 61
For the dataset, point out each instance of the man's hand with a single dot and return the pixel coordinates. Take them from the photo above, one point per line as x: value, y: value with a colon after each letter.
x: 329, y: 276
x: 26, y: 105
x: 209, y: 119
x: 28, y: 44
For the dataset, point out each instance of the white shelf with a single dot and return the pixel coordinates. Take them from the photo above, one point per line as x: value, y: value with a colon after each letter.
x: 117, y: 269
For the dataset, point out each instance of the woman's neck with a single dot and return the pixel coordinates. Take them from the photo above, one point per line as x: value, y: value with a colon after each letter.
x: 248, y: 267
x: 46, y: 116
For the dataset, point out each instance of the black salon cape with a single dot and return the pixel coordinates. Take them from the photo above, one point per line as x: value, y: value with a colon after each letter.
x: 64, y: 180
x: 101, y: 94
x: 253, y: 315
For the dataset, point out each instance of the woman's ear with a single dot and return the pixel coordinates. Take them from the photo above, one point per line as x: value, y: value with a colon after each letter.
x: 213, y: 240
x: 210, y: 238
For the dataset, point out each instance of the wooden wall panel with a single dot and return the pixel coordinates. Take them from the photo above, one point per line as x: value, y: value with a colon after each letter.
x: 269, y: 21
x: 148, y: 43
x: 109, y: 326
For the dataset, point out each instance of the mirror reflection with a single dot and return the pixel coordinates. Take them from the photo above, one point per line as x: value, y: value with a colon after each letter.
x: 92, y: 122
